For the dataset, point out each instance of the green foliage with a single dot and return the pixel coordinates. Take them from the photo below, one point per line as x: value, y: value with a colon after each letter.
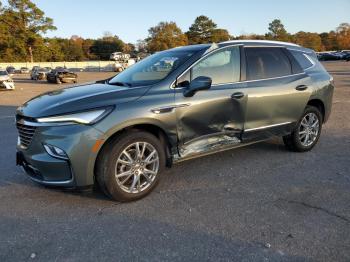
x: 24, y: 22
x: 204, y: 30
x: 102, y: 48
x: 329, y: 40
x: 277, y: 31
x: 164, y: 36
x: 22, y: 25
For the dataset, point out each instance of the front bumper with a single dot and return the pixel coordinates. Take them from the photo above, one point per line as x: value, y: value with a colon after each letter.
x: 76, y: 140
x: 46, y: 171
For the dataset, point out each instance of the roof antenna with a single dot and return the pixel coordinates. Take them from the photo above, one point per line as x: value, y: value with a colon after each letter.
x: 211, y: 48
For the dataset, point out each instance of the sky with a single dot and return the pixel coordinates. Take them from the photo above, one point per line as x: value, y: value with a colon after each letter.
x: 131, y: 19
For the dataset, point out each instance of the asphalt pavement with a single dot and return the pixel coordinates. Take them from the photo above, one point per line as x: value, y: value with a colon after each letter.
x: 258, y: 203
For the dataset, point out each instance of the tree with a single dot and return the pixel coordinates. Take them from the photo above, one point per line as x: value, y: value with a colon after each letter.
x: 26, y: 22
x: 201, y: 30
x: 105, y: 46
x: 251, y: 37
x: 343, y: 36
x: 129, y: 48
x: 329, y: 40
x: 220, y: 35
x: 277, y: 31
x: 164, y: 36
x: 309, y: 40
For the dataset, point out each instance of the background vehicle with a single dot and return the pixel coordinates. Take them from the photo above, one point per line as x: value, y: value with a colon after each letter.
x: 35, y: 67
x: 333, y: 56
x: 39, y: 74
x: 6, y: 81
x: 59, y: 76
x: 173, y: 106
x: 24, y: 70
x: 122, y: 61
x: 11, y: 70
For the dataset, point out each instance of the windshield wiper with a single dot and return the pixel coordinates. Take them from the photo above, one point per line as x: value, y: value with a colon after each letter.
x: 120, y: 84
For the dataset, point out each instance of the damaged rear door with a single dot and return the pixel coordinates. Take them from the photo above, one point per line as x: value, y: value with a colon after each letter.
x: 212, y: 118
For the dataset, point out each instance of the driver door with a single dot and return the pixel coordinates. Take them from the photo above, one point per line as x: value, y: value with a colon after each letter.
x: 212, y: 118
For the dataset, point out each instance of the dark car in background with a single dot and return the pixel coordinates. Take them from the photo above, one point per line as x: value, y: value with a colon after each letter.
x: 347, y: 57
x: 39, y: 73
x: 61, y: 75
x: 11, y: 70
x: 333, y: 56
x: 173, y: 106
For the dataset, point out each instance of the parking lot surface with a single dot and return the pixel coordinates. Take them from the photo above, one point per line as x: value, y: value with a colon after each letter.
x: 258, y: 203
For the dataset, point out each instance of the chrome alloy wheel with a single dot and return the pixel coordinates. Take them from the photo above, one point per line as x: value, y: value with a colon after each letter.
x: 309, y: 129
x: 137, y: 167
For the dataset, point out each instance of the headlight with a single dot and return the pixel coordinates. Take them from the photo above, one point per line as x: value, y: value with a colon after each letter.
x: 86, y: 117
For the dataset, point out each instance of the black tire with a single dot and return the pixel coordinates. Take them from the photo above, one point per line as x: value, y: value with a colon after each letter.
x: 293, y: 142
x: 106, y: 165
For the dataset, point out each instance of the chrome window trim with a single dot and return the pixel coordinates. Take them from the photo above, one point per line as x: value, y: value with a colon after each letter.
x: 271, y: 78
x: 245, y: 81
x: 265, y: 127
x: 248, y: 81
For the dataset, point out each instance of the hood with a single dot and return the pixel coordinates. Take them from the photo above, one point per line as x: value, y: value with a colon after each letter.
x: 79, y: 98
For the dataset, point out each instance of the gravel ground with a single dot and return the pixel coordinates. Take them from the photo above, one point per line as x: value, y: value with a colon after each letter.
x: 258, y: 203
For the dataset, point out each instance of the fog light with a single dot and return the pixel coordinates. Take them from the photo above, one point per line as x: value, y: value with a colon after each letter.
x: 55, y: 152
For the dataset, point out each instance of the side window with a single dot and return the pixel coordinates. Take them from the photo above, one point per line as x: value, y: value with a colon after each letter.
x: 266, y: 62
x: 302, y: 59
x: 222, y: 66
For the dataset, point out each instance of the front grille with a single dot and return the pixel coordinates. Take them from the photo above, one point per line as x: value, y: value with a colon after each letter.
x: 26, y: 133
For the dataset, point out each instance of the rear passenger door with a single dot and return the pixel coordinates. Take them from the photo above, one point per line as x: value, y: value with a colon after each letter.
x: 277, y: 92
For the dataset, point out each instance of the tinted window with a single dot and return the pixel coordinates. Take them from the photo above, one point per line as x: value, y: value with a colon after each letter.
x: 222, y: 67
x: 266, y: 62
x: 303, y: 61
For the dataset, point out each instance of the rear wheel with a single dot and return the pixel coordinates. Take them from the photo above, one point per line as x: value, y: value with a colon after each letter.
x: 307, y: 132
x: 130, y: 167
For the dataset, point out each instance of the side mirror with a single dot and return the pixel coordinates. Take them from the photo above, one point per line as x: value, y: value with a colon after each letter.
x: 197, y: 84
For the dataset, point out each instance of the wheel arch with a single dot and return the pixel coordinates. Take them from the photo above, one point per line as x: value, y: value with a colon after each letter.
x: 319, y: 105
x: 152, y: 128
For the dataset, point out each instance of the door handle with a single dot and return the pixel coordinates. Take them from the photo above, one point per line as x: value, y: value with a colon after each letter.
x: 301, y: 88
x: 237, y: 95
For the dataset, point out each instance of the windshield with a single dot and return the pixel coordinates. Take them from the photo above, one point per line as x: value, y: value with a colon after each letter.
x: 152, y: 69
x: 3, y: 73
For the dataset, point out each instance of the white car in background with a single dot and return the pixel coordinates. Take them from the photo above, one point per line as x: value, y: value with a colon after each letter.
x: 6, y: 81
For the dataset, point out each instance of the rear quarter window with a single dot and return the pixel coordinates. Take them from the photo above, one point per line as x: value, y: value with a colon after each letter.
x: 266, y: 62
x: 302, y: 59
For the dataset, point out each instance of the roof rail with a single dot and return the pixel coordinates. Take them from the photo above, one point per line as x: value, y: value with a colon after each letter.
x: 261, y: 41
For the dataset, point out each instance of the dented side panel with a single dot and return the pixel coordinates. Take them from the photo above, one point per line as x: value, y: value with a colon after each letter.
x: 212, y: 118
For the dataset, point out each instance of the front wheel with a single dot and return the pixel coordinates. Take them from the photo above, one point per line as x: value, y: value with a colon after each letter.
x: 307, y: 132
x: 129, y: 168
